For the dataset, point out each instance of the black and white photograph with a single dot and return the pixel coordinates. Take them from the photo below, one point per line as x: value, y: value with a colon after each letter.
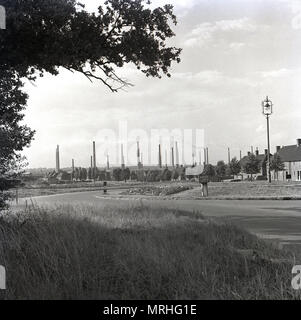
x: 150, y: 151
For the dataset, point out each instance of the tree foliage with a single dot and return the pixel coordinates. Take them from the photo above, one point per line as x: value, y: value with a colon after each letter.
x: 50, y: 35
x: 43, y: 35
x: 221, y: 168
x: 234, y: 166
x: 252, y: 165
x: 13, y: 135
x: 276, y: 163
x: 209, y: 170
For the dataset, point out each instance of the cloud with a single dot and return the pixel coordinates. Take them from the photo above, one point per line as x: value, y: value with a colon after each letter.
x: 207, y: 31
x: 276, y: 73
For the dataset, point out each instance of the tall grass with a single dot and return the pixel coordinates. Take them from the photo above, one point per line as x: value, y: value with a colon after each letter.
x: 136, y: 253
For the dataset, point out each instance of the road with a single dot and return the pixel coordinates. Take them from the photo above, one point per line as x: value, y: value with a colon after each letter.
x: 270, y: 219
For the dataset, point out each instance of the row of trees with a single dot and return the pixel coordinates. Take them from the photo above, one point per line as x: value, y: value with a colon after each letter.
x: 251, y: 166
x: 119, y: 174
x: 222, y: 170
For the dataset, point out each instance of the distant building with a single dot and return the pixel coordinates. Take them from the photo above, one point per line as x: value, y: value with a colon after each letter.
x: 58, y: 177
x: 262, y: 174
x: 291, y: 156
x: 194, y: 172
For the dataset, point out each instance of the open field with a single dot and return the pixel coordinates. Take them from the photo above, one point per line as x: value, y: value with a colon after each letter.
x: 43, y: 190
x: 183, y: 190
x: 137, y: 253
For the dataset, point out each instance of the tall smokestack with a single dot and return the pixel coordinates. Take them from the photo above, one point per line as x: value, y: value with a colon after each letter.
x: 240, y: 155
x: 138, y: 154
x: 166, y: 158
x: 177, y: 154
x: 94, y: 160
x: 108, y: 162
x: 57, y: 166
x: 207, y: 155
x: 72, y: 175
x: 172, y: 157
x: 160, y: 157
x: 122, y: 158
x: 229, y: 156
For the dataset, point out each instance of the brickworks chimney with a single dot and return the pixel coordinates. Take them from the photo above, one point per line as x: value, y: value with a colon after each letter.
x: 160, y: 157
x: 177, y: 155
x: 122, y: 158
x: 57, y: 165
x: 172, y: 157
x: 72, y: 174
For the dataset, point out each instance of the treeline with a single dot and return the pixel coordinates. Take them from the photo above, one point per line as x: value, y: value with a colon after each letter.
x: 119, y: 174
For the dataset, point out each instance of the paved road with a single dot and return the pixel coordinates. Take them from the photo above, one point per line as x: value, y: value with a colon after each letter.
x: 274, y: 219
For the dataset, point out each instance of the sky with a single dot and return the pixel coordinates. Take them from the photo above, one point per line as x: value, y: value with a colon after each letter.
x: 235, y: 53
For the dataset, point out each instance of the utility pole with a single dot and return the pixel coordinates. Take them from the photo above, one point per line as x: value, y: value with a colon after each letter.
x: 94, y: 161
x: 267, y: 110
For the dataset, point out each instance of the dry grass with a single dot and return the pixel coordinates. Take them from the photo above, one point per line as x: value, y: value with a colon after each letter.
x: 136, y: 253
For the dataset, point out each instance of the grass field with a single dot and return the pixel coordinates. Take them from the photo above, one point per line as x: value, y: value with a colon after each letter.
x: 247, y: 189
x: 136, y: 253
x: 185, y: 190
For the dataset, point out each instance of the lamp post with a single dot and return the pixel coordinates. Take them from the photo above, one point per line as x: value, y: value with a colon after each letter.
x: 267, y: 110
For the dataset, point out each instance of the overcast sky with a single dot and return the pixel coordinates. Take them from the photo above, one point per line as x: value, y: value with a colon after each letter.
x: 235, y: 52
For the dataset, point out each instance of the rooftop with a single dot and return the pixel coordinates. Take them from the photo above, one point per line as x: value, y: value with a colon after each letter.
x: 290, y: 153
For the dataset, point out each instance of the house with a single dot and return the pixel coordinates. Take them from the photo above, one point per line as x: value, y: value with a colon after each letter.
x: 58, y: 177
x: 262, y: 158
x: 291, y: 156
x: 194, y: 172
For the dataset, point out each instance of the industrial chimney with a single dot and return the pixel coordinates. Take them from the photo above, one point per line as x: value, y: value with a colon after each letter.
x: 57, y: 166
x: 177, y: 155
x: 122, y: 158
x: 73, y: 169
x: 108, y: 162
x: 160, y: 157
x: 172, y: 157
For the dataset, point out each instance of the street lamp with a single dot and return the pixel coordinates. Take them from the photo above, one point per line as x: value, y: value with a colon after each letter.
x: 267, y: 110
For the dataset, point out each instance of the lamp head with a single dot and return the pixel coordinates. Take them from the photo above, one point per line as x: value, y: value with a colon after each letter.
x: 267, y: 107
